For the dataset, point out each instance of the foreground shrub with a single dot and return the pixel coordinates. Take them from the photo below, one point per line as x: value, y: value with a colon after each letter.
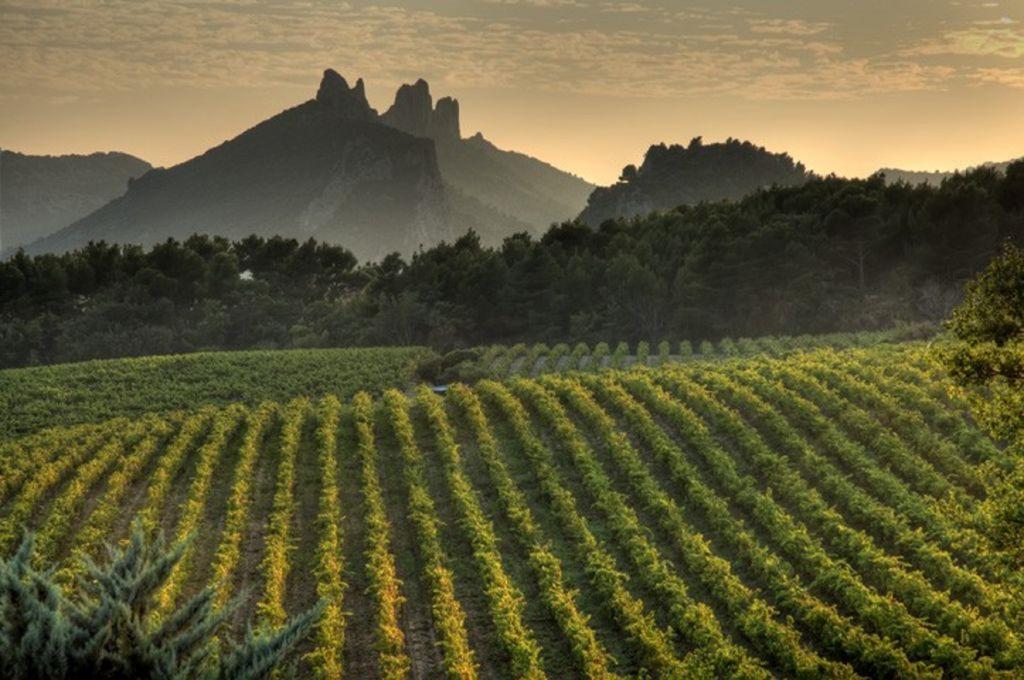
x: 106, y: 628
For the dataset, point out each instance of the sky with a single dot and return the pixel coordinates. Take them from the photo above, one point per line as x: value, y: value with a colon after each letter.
x: 845, y: 86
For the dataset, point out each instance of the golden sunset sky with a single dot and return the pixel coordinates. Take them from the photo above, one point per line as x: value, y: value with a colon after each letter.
x: 844, y: 86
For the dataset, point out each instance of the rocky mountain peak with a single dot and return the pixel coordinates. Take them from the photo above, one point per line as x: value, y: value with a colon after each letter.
x: 444, y: 124
x: 351, y: 102
x: 414, y: 112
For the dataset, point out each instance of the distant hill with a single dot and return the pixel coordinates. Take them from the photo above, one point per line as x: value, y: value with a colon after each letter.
x: 334, y: 169
x: 935, y: 177
x: 514, y: 184
x: 676, y: 175
x: 41, y: 194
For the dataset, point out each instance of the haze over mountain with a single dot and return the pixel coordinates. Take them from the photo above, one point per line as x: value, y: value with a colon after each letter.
x: 41, y: 194
x: 334, y: 169
x: 676, y: 175
x: 935, y: 177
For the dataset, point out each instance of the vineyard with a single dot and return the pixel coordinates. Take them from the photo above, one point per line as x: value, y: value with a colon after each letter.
x: 523, y: 360
x: 753, y: 516
x: 70, y: 394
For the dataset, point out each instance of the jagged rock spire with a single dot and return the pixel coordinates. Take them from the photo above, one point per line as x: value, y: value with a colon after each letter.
x: 350, y: 102
x: 413, y: 112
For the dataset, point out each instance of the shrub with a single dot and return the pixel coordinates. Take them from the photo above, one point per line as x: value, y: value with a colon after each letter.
x: 106, y: 628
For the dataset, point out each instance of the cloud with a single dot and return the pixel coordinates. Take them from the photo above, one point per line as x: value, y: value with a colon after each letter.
x: 788, y: 26
x: 632, y: 48
x: 977, y: 41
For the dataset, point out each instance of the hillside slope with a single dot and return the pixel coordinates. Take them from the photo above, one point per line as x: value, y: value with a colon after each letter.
x: 776, y: 518
x: 41, y: 194
x: 507, y: 184
x: 934, y: 177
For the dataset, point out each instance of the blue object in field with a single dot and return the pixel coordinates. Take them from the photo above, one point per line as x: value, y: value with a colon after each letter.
x: 440, y: 389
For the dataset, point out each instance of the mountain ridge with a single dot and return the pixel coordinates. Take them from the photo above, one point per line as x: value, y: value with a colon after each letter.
x: 337, y: 170
x: 40, y: 194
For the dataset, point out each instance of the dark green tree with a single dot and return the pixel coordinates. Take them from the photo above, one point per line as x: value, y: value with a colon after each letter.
x: 986, y: 357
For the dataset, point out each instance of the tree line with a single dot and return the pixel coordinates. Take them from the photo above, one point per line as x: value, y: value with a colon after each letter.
x: 832, y: 254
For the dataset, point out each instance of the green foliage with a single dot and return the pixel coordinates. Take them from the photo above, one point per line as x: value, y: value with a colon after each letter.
x: 106, y: 629
x: 35, y: 398
x: 986, y: 357
x: 829, y: 254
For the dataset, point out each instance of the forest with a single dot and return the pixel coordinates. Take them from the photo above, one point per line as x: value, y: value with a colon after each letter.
x: 830, y: 255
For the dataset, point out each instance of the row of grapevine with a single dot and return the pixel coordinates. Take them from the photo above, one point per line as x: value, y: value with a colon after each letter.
x: 171, y: 460
x: 774, y: 640
x: 592, y: 659
x: 873, y: 565
x: 49, y: 473
x: 192, y: 508
x: 132, y: 445
x: 886, y: 617
x: 385, y: 587
x: 760, y: 399
x: 653, y: 645
x: 275, y: 565
x: 929, y: 398
x: 225, y: 559
x: 505, y: 602
x: 888, y: 468
x: 693, y: 622
x: 909, y: 425
x: 23, y: 457
x: 449, y: 619
x: 110, y: 506
x: 834, y: 632
x: 499, y: 360
x: 326, y: 658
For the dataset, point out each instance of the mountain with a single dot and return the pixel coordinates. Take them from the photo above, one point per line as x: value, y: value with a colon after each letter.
x: 41, y: 194
x: 334, y: 169
x: 675, y: 175
x: 325, y: 169
x: 518, y: 187
x: 934, y: 177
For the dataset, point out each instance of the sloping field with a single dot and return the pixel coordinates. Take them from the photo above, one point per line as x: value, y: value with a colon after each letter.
x: 796, y: 517
x: 68, y: 394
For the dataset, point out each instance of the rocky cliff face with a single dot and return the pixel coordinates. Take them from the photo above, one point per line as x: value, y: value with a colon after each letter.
x: 347, y: 102
x: 414, y: 112
x: 503, y: 191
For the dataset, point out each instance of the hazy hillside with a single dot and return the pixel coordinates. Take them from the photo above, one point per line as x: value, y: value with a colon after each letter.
x: 935, y: 177
x: 517, y: 185
x: 512, y: 187
x: 42, y: 194
x: 675, y: 175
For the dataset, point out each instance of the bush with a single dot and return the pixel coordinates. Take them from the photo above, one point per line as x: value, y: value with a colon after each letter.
x: 107, y: 627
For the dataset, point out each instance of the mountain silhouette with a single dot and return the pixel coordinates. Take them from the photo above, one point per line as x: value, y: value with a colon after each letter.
x: 334, y: 169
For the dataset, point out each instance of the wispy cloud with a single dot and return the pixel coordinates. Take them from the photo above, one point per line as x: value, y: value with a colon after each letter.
x: 55, y: 48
